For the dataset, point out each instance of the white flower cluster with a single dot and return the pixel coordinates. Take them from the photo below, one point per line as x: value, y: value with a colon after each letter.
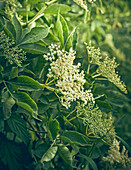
x: 114, y: 154
x: 69, y: 78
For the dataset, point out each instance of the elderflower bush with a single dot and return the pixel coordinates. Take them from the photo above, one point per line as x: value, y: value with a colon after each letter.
x: 54, y: 113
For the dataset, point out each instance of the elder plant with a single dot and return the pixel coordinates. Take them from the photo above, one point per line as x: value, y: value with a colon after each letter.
x: 52, y: 116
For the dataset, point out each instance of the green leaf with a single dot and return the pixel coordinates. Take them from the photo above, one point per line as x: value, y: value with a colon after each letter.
x: 75, y: 39
x: 7, y: 105
x: 55, y: 8
x: 65, y: 154
x: 74, y: 137
x: 26, y: 102
x: 34, y: 48
x: 41, y: 149
x: 54, y: 127
x: 18, y: 28
x: 65, y: 28
x: 14, y: 72
x: 36, y: 34
x: 26, y: 83
x: 89, y: 160
x: 10, y: 27
x: 49, y: 154
x: 69, y: 40
x: 59, y: 30
x: 13, y: 154
x: 18, y: 126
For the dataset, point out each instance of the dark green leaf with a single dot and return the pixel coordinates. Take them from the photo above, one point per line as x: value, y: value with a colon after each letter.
x: 26, y: 83
x: 18, y: 28
x: 49, y: 154
x: 25, y: 101
x: 90, y: 161
x: 10, y: 27
x: 41, y: 149
x: 65, y: 28
x: 74, y: 137
x: 18, y: 126
x: 13, y: 154
x: 34, y: 48
x: 65, y: 154
x: 54, y: 127
x: 36, y: 34
x: 14, y: 72
x: 7, y: 105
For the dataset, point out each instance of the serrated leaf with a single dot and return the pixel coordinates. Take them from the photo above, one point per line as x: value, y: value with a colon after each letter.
x: 59, y: 29
x: 69, y: 40
x: 18, y: 126
x: 13, y: 154
x: 14, y: 72
x: 49, y: 154
x: 25, y: 101
x: 41, y: 149
x: 36, y: 34
x: 34, y: 48
x: 90, y: 161
x: 55, y: 8
x: 26, y: 83
x: 65, y: 154
x: 7, y: 105
x: 10, y: 27
x: 53, y: 127
x: 74, y: 137
x: 65, y: 28
x: 18, y: 28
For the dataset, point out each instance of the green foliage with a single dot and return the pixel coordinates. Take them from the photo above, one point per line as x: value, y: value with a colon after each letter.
x: 60, y: 103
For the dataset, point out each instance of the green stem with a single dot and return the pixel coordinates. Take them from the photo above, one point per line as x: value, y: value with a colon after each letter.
x: 97, y: 75
x: 70, y: 113
x: 8, y: 90
x: 101, y: 79
x: 50, y: 82
x: 88, y: 69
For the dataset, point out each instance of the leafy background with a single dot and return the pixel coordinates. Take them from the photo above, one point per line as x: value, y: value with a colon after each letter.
x: 34, y: 130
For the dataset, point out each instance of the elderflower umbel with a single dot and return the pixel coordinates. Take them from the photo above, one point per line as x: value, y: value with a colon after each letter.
x: 114, y: 154
x: 69, y: 78
x: 106, y: 67
x: 12, y: 53
x: 98, y: 122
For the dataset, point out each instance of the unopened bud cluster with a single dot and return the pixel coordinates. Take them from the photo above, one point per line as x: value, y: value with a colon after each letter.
x: 11, y: 6
x: 98, y: 123
x: 69, y: 78
x: 106, y: 67
x: 11, y: 52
